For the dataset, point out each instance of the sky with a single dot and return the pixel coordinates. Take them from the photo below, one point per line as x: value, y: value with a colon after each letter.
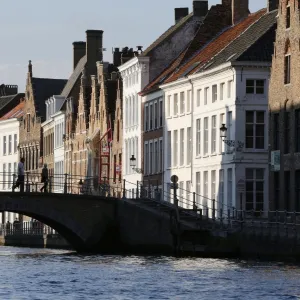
x: 43, y: 31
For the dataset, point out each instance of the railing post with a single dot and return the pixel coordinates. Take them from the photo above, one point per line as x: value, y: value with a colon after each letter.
x: 194, y: 201
x: 213, y: 209
x: 124, y: 190
x: 27, y: 183
x: 66, y: 184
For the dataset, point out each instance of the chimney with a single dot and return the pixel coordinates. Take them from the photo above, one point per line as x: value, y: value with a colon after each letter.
x: 272, y: 5
x: 78, y: 52
x: 239, y: 9
x: 180, y: 13
x: 200, y: 8
x: 117, y: 57
x: 94, y: 50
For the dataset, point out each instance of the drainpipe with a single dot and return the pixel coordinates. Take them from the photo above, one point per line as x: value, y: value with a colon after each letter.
x: 192, y: 129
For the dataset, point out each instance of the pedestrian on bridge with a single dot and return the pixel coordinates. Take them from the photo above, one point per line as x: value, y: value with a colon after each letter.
x: 44, y: 179
x: 21, y: 176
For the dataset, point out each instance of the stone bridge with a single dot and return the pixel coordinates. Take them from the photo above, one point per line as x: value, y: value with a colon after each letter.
x: 95, y: 223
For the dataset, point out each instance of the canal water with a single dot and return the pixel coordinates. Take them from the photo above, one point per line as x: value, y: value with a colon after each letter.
x: 56, y: 274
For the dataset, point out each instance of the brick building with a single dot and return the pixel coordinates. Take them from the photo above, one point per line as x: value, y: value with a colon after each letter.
x: 284, y: 106
x: 38, y: 90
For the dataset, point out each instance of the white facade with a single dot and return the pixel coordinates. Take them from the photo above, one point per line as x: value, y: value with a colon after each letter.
x: 135, y: 75
x: 237, y: 97
x: 56, y: 122
x: 9, y: 157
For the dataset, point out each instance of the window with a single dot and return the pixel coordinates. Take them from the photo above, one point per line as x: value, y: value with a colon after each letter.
x: 9, y: 175
x: 255, y: 189
x: 146, y: 159
x: 10, y: 144
x: 120, y: 166
x: 222, y: 121
x: 151, y: 117
x: 160, y: 155
x: 198, y: 188
x: 151, y: 158
x: 155, y: 115
x: 221, y: 189
x: 4, y: 176
x: 276, y: 131
x: 169, y: 106
x: 213, y: 134
x: 189, y: 99
x: 214, y: 93
x: 213, y: 184
x: 169, y: 150
x: 146, y: 118
x: 288, y: 17
x: 287, y: 69
x: 287, y: 132
x: 15, y: 143
x: 206, y: 95
x: 188, y: 194
x: 198, y: 97
x: 28, y: 122
x: 229, y: 88
x: 255, y: 129
x: 175, y: 147
x: 229, y: 188
x: 222, y: 86
x: 4, y: 145
x: 175, y: 104
x: 255, y: 86
x: 155, y: 156
x: 182, y: 146
x: 182, y: 103
x: 198, y: 137
x: 229, y: 129
x: 188, y: 146
x: 205, y: 188
x: 115, y: 167
x: 160, y: 113
x: 205, y: 150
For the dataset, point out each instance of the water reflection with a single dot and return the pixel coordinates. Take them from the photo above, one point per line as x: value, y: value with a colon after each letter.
x: 60, y: 274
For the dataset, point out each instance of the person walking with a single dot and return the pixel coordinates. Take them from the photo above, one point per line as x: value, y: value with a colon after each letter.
x: 44, y: 179
x: 21, y: 177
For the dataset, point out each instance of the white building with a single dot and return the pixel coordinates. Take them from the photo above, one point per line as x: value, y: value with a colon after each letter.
x: 135, y: 75
x: 9, y: 155
x: 55, y: 124
x: 231, y: 88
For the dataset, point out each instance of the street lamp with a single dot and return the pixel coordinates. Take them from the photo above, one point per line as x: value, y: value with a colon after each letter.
x: 132, y: 162
x: 238, y: 145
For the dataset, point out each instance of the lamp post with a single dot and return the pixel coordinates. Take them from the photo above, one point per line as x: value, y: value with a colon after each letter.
x: 132, y: 162
x: 238, y: 145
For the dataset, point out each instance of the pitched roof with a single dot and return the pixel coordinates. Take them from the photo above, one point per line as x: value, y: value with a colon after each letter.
x: 74, y: 77
x: 16, y: 112
x: 43, y: 89
x: 220, y: 44
x: 168, y: 33
x: 217, y: 18
x: 8, y: 102
x: 254, y: 44
x: 180, y: 68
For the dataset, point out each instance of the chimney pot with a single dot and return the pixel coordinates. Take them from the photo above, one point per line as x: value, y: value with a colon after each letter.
x: 272, y: 5
x: 78, y: 52
x: 239, y: 9
x: 94, y: 49
x: 180, y: 13
x: 200, y: 8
